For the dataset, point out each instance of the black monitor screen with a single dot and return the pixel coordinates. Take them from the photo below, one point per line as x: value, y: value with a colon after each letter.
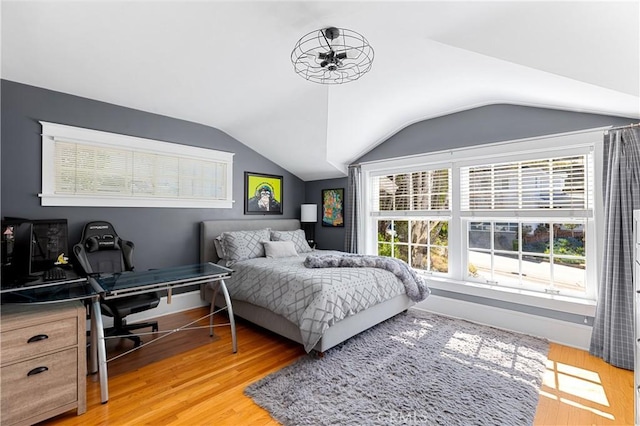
x: 15, y: 249
x: 48, y: 244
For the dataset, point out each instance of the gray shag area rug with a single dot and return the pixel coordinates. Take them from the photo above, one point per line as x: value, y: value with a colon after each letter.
x: 415, y: 368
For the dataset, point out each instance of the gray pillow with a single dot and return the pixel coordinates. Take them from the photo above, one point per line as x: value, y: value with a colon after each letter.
x: 277, y: 249
x: 298, y: 237
x: 243, y: 245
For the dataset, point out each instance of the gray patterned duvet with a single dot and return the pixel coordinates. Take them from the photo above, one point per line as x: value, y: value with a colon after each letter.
x: 314, y: 299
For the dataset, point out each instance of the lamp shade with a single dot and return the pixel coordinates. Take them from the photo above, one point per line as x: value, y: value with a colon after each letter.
x: 309, y: 213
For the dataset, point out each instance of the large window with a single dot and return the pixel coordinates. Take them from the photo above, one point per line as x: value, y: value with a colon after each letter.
x: 516, y: 216
x: 82, y: 167
x: 412, y: 211
x: 535, y: 214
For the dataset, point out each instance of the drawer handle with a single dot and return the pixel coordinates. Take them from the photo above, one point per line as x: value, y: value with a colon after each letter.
x: 38, y: 338
x: 37, y: 370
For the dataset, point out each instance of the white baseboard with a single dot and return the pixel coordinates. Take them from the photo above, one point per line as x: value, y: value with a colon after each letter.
x: 179, y: 302
x: 565, y: 333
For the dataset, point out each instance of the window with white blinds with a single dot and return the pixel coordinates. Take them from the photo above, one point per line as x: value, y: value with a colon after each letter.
x: 520, y: 215
x: 91, y: 168
x: 412, y: 212
x: 545, y: 183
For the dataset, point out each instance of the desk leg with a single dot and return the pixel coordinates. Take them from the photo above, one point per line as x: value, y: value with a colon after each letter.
x: 232, y: 320
x: 93, y: 347
x: 215, y: 285
x: 98, y: 330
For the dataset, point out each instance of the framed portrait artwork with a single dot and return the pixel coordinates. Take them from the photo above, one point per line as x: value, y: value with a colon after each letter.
x: 262, y: 193
x: 333, y: 207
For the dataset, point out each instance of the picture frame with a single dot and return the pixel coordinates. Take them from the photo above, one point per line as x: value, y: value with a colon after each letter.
x: 262, y: 193
x: 333, y: 207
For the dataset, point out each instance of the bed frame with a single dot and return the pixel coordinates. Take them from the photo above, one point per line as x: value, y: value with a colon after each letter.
x: 337, y: 333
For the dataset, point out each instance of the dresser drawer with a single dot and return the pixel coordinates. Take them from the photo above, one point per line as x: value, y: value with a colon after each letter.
x: 44, y: 338
x: 24, y: 394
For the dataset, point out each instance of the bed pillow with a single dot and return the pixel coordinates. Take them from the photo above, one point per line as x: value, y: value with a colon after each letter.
x: 277, y: 249
x: 243, y: 245
x: 297, y: 237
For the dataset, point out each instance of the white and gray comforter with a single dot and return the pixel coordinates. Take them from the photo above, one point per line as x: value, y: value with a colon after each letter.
x: 313, y: 299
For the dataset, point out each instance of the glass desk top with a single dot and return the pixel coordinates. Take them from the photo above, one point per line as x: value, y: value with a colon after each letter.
x: 177, y: 276
x: 51, y: 293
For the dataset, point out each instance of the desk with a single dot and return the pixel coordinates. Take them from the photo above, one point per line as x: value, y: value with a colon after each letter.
x: 110, y: 286
x: 39, y: 292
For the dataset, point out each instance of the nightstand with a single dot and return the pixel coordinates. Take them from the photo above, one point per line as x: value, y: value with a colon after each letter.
x: 43, y: 354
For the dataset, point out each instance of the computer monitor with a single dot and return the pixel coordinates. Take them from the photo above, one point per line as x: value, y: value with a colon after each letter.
x: 49, y: 244
x: 16, y: 237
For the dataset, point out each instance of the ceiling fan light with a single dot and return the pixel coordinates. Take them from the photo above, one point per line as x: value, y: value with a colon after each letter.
x: 322, y: 56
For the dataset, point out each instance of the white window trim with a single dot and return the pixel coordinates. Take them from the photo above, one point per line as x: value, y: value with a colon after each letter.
x: 52, y: 132
x: 556, y: 144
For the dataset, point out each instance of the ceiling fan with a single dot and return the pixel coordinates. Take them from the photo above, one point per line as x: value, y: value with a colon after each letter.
x: 332, y: 56
x: 331, y: 60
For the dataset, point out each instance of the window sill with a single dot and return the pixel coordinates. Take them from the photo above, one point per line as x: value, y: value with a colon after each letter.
x: 524, y: 297
x: 116, y: 201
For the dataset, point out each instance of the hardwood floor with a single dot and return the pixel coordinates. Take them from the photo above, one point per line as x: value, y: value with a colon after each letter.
x: 189, y: 378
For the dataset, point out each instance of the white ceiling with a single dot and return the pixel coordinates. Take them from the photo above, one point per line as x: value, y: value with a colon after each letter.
x: 227, y: 64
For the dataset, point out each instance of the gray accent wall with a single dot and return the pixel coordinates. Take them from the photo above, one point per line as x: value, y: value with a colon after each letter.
x: 483, y: 125
x: 327, y: 238
x: 163, y: 236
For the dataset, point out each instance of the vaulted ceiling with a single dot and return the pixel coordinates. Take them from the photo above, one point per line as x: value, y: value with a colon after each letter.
x: 227, y: 64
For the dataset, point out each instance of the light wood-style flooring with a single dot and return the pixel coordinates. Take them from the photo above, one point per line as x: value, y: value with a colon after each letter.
x: 191, y: 379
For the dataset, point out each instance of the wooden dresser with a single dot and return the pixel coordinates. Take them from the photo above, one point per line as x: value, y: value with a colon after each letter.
x: 43, y: 361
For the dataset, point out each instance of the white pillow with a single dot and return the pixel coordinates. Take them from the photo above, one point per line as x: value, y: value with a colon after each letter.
x: 277, y: 249
x: 297, y: 237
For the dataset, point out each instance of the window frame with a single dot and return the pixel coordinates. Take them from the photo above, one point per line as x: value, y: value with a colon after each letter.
x: 443, y: 214
x: 555, y: 145
x: 53, y: 133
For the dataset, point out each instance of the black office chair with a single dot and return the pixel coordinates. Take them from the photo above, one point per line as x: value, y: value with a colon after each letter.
x: 101, y: 251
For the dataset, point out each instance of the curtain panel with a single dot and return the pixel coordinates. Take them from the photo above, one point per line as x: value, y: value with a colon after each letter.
x: 612, y: 336
x: 353, y: 209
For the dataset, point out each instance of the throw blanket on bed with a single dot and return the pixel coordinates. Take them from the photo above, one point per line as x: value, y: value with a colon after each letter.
x: 414, y: 285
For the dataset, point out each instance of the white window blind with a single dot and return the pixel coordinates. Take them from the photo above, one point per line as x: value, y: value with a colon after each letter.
x: 549, y: 183
x: 87, y: 167
x: 418, y: 191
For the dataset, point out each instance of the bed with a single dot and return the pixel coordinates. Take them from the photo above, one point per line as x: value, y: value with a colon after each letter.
x: 278, y: 317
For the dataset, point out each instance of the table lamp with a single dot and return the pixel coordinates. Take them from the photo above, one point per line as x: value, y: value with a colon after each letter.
x: 308, y: 218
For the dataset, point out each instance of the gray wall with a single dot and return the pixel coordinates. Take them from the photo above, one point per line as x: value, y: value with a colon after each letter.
x: 327, y: 238
x: 163, y: 236
x: 488, y: 124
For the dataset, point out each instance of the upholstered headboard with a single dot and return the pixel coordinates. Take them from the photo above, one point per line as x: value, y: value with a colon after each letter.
x: 210, y: 229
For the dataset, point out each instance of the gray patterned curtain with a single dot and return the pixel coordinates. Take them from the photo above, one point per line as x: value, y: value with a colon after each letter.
x: 612, y: 335
x: 352, y: 209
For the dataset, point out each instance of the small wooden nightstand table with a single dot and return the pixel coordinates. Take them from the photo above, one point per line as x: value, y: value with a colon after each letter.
x: 43, y: 352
